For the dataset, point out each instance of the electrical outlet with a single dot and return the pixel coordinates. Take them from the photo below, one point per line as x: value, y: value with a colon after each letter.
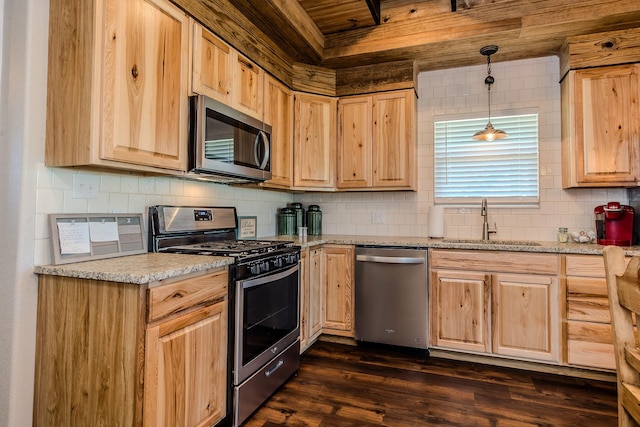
x: 377, y: 217
x: 85, y: 186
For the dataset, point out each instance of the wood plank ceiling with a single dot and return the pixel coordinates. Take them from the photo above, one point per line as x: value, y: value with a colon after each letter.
x: 339, y: 34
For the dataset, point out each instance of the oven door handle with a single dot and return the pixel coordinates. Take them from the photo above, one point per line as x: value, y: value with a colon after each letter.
x: 270, y: 371
x: 246, y: 284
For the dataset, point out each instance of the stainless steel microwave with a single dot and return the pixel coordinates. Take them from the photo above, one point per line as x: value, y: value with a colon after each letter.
x: 227, y: 145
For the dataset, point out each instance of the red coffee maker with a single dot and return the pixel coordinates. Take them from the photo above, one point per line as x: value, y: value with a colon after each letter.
x: 614, y: 224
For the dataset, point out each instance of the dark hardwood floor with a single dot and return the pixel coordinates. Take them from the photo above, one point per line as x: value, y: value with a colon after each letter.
x: 340, y: 385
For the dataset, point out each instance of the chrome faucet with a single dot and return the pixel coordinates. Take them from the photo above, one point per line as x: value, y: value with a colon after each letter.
x: 485, y: 224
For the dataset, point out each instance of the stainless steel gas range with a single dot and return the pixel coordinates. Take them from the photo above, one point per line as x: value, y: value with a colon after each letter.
x: 264, y: 298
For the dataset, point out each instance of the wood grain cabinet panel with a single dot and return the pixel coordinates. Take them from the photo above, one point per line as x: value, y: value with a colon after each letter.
x: 99, y: 361
x: 278, y: 113
x: 526, y: 317
x: 376, y: 141
x: 339, y: 290
x: 211, y: 72
x: 460, y: 318
x: 248, y: 86
x: 500, y: 303
x: 311, y: 300
x: 117, y: 85
x: 314, y: 141
x: 185, y: 369
x: 355, y: 138
x: 589, y: 334
x: 601, y: 127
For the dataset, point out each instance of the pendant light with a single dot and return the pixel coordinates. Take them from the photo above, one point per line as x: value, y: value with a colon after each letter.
x: 489, y: 133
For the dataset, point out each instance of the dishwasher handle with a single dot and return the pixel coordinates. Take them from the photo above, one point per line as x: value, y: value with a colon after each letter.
x: 390, y: 259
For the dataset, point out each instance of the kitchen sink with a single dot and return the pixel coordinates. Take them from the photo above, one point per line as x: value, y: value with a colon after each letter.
x: 493, y: 242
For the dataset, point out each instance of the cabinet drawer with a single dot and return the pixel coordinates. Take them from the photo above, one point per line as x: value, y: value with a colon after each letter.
x: 585, y: 265
x: 590, y: 344
x: 508, y: 262
x: 178, y: 296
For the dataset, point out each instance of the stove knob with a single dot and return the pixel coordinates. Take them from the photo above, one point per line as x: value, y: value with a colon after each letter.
x: 264, y: 266
x: 255, y: 268
x: 277, y: 262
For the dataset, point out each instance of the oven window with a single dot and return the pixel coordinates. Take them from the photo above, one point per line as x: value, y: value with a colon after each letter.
x: 270, y: 313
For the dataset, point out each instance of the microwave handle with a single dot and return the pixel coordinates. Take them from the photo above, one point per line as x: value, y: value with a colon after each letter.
x: 262, y: 136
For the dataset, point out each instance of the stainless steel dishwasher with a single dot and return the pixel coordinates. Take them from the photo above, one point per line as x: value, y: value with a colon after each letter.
x: 391, y: 296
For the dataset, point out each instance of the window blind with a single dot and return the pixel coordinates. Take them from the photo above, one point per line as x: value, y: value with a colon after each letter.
x: 504, y: 171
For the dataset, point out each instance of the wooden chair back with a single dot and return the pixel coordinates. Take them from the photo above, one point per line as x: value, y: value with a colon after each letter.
x: 624, y: 302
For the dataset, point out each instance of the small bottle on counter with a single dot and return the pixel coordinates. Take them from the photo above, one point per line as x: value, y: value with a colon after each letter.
x: 563, y: 235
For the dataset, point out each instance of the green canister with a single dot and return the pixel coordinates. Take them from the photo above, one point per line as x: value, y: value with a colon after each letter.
x: 300, y: 214
x: 286, y: 221
x: 314, y: 220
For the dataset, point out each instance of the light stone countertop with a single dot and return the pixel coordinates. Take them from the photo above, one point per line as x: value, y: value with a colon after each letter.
x: 137, y: 269
x: 467, y: 244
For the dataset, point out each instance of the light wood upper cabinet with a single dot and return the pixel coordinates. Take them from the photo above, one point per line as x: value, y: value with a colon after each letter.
x: 248, y: 86
x: 117, y: 85
x: 526, y: 318
x: 394, y: 140
x: 355, y: 138
x: 314, y: 141
x: 278, y: 113
x: 376, y: 141
x: 601, y: 127
x: 339, y: 290
x: 211, y: 73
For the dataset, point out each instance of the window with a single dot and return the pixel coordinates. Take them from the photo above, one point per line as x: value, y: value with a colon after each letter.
x: 504, y: 171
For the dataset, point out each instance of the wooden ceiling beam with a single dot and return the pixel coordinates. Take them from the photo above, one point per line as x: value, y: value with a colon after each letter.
x: 422, y: 30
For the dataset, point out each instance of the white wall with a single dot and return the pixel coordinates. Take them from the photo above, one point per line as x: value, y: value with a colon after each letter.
x: 527, y: 84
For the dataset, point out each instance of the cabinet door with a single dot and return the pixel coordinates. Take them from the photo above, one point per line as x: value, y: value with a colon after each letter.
x: 211, y: 65
x: 354, y: 142
x: 278, y: 112
x: 460, y: 318
x: 304, y: 299
x: 144, y: 83
x: 314, y: 141
x: 186, y: 369
x: 316, y: 301
x: 526, y: 316
x: 337, y: 267
x: 394, y: 140
x: 601, y: 127
x: 248, y: 86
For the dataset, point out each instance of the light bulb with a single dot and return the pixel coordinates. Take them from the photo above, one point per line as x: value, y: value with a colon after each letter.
x: 490, y: 136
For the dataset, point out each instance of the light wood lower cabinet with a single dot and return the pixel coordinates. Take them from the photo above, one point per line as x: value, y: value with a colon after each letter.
x: 124, y: 354
x: 311, y: 297
x: 500, y: 303
x: 338, y: 289
x: 462, y: 310
x: 526, y: 316
x: 589, y: 334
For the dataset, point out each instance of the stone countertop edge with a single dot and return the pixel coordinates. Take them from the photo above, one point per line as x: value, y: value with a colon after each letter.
x: 425, y: 242
x: 136, y: 269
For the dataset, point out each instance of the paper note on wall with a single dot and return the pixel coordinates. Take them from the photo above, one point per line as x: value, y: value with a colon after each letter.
x: 74, y: 238
x: 103, y: 231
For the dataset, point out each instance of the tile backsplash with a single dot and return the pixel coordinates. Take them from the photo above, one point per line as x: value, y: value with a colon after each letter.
x: 527, y: 85
x: 119, y: 193
x: 520, y: 85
